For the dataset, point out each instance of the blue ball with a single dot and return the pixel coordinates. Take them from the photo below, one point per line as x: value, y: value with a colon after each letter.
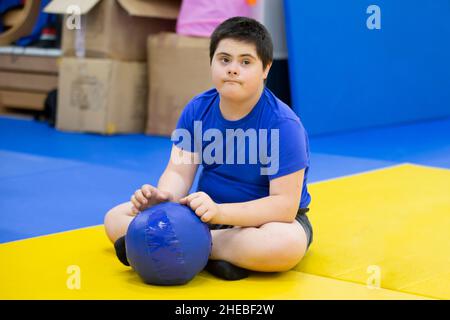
x: 168, y: 244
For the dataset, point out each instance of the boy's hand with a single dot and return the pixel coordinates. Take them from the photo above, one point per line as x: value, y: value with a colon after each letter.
x: 147, y: 196
x: 203, y: 205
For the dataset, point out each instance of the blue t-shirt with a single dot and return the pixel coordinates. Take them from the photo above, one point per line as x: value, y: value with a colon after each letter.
x: 239, y: 158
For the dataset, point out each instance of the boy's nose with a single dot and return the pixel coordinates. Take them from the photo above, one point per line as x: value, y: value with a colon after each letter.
x: 233, y: 69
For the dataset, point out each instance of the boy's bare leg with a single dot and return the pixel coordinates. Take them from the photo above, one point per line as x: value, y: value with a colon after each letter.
x: 273, y: 247
x: 117, y: 221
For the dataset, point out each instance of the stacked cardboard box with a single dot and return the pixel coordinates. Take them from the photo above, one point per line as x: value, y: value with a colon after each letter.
x: 178, y: 69
x: 102, y: 95
x: 103, y: 75
x: 25, y: 80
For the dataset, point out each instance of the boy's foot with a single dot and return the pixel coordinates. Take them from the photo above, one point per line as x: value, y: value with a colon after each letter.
x: 219, y: 268
x: 121, y: 251
x: 225, y: 270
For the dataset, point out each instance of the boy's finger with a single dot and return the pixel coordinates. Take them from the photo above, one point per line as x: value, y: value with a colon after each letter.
x: 206, y: 217
x: 140, y: 197
x: 135, y: 202
x: 147, y: 190
x: 154, y: 191
x: 196, y: 203
x: 187, y: 200
x: 201, y: 210
x: 192, y: 196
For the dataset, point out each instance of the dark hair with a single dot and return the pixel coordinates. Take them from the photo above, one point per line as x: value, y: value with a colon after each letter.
x: 246, y: 30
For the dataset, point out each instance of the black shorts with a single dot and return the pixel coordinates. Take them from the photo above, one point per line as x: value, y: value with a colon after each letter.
x: 301, y: 217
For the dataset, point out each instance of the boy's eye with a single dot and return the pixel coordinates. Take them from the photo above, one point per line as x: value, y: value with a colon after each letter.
x: 226, y: 60
x: 246, y: 62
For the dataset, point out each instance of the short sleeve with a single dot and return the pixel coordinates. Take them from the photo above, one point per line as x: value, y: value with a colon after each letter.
x: 293, y: 148
x: 183, y: 135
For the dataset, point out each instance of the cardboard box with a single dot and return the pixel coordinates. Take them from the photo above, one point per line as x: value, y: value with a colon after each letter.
x: 178, y: 70
x: 102, y: 96
x: 116, y: 29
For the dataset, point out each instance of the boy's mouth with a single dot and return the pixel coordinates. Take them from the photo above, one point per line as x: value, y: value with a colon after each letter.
x: 231, y: 81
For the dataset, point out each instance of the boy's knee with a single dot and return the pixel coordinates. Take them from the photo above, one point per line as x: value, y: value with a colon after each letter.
x: 114, y: 221
x: 119, y: 210
x: 281, y: 253
x: 277, y: 259
x: 110, y: 216
x: 108, y: 223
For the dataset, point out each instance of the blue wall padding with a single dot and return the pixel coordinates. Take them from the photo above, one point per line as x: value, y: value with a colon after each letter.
x: 345, y: 76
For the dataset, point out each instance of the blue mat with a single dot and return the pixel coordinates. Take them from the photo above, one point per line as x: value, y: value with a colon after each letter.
x: 42, y: 195
x: 52, y: 181
x: 134, y: 151
x: 328, y: 166
x: 63, y: 196
x: 15, y: 164
x: 426, y: 143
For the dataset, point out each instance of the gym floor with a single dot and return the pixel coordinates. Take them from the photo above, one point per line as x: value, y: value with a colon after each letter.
x: 380, y: 204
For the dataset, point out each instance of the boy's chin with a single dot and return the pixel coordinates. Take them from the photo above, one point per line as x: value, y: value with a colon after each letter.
x: 230, y: 94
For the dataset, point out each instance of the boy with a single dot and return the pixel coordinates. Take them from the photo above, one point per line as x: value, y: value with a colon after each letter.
x: 256, y: 209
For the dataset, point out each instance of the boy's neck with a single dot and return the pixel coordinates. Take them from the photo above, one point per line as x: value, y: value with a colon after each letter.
x: 234, y: 110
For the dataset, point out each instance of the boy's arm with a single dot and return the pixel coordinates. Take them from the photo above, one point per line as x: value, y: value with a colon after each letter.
x: 179, y: 174
x: 280, y: 206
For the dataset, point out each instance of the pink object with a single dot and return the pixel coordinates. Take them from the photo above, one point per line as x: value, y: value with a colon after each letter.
x: 201, y: 17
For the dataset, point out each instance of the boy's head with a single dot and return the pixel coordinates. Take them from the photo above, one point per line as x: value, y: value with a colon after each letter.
x: 241, y: 54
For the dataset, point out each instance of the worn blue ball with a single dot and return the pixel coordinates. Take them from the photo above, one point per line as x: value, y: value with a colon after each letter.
x: 168, y: 244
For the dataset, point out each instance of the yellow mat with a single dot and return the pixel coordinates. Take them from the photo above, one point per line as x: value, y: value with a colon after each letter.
x: 391, y: 225
x: 394, y: 222
x: 81, y: 264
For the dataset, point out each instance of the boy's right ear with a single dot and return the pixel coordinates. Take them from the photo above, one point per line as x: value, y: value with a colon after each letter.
x: 266, y: 71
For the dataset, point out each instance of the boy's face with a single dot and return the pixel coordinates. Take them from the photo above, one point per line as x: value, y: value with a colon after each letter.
x: 237, y: 71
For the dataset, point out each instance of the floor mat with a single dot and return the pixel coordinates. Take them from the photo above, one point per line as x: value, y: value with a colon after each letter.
x: 426, y: 143
x: 42, y: 195
x: 392, y: 221
x: 81, y: 264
